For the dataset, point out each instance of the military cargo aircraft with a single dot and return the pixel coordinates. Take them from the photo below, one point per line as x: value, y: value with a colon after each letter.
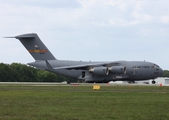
x: 99, y: 72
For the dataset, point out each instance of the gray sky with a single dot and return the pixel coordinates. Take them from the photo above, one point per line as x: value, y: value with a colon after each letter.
x: 96, y: 30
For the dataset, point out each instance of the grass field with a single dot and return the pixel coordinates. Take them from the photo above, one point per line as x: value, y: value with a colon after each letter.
x: 27, y: 102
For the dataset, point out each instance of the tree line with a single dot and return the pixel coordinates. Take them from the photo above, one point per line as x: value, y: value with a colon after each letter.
x: 17, y: 72
x: 166, y: 73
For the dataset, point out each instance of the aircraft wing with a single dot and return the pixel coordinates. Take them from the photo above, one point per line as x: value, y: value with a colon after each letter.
x: 83, y: 66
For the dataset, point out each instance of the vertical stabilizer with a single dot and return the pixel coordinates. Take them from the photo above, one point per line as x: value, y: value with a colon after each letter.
x: 35, y: 46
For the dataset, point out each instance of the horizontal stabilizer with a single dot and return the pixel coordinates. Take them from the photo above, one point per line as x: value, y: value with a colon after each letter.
x: 9, y: 37
x: 31, y: 35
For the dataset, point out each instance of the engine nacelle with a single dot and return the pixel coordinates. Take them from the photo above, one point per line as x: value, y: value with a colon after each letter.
x: 117, y: 69
x: 99, y: 70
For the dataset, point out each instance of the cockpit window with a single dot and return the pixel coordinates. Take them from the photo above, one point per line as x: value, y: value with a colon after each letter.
x: 154, y: 66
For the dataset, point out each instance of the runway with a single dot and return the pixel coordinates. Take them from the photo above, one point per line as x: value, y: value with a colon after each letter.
x: 76, y: 84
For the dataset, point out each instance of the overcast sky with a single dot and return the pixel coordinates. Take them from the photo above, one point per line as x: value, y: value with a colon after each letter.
x: 96, y: 30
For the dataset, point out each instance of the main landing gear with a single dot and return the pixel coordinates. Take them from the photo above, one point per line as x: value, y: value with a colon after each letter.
x: 153, y: 82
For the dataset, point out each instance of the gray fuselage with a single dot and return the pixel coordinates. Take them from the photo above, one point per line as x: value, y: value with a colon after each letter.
x: 135, y: 70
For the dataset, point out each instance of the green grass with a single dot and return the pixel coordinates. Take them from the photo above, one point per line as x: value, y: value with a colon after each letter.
x: 18, y: 102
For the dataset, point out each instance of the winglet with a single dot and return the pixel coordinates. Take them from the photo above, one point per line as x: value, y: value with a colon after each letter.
x: 48, y: 65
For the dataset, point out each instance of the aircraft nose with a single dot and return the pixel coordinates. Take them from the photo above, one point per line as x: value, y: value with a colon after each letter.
x: 161, y: 72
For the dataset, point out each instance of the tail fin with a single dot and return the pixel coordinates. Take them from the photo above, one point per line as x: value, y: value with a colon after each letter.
x: 35, y: 46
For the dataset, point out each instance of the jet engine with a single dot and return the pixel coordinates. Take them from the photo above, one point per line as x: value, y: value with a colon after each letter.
x: 99, y: 70
x: 117, y: 69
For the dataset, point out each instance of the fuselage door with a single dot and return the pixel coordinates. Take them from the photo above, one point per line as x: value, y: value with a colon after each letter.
x: 83, y: 74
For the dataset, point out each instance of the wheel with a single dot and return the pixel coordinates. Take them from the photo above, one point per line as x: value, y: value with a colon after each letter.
x: 153, y: 82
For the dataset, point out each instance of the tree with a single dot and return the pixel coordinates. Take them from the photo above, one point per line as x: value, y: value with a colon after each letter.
x: 4, y: 73
x: 17, y: 72
x: 166, y: 73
